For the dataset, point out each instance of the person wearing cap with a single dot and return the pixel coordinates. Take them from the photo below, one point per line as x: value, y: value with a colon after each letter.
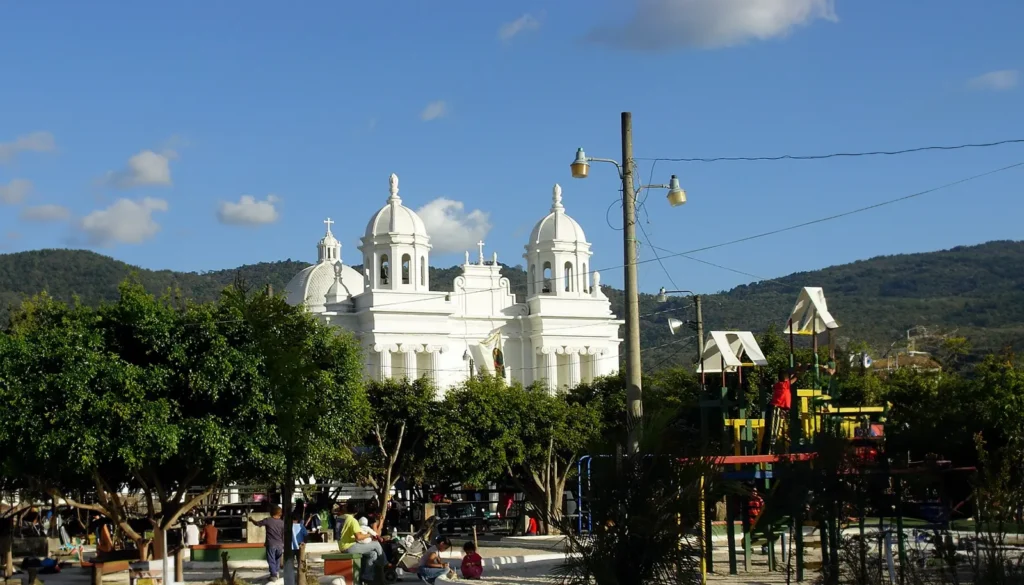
x: 191, y: 532
x: 431, y: 566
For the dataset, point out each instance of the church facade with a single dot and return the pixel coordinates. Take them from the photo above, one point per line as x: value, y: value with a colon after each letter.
x: 562, y: 334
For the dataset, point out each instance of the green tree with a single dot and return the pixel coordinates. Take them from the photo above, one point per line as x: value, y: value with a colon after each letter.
x: 532, y: 437
x: 135, y: 395
x: 395, y: 447
x: 307, y: 407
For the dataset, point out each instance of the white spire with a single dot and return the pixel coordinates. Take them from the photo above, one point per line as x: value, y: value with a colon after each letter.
x: 394, y: 198
x: 556, y: 198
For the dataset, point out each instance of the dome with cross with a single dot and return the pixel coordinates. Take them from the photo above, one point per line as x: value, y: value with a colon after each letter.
x: 312, y: 285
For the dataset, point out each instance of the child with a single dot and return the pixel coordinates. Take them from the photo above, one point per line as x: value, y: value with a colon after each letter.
x: 472, y: 564
x: 364, y: 524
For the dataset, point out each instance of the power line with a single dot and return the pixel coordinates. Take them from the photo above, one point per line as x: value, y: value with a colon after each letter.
x: 838, y: 154
x: 670, y: 254
x: 840, y: 215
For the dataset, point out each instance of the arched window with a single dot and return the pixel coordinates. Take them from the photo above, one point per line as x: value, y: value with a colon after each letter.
x: 423, y: 271
x: 568, y: 277
x: 586, y: 278
x: 531, y: 286
x: 406, y: 261
x: 385, y: 269
x: 547, y: 278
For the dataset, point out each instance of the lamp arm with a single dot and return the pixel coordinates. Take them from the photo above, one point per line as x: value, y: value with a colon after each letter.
x: 607, y: 160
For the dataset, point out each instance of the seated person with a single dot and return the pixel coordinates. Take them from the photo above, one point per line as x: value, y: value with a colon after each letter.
x: 355, y: 540
x: 472, y: 564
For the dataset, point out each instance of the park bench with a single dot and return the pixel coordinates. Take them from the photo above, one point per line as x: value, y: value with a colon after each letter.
x: 236, y: 551
x: 342, y: 565
x: 109, y: 566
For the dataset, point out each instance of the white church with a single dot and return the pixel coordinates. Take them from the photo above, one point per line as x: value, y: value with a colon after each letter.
x: 563, y: 334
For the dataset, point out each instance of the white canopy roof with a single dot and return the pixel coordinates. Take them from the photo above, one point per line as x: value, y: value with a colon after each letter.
x: 730, y: 347
x: 810, y: 314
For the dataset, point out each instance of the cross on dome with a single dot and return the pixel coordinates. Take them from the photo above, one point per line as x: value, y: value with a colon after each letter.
x: 328, y: 222
x: 556, y: 198
x: 393, y: 181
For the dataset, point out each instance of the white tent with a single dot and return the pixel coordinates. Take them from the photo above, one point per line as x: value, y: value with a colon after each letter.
x: 810, y: 314
x: 733, y: 348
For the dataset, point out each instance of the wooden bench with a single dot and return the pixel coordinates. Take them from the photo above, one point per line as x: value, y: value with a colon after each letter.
x: 237, y: 551
x: 343, y: 565
x: 108, y: 567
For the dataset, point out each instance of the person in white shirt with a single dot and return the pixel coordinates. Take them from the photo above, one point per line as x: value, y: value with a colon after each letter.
x: 431, y: 565
x: 191, y: 532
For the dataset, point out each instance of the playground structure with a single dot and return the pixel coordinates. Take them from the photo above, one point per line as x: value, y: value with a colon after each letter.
x: 753, y: 457
x: 793, y: 464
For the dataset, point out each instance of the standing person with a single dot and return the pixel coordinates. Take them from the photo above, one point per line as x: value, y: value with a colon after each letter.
x: 431, y: 564
x: 191, y: 532
x: 338, y: 520
x: 299, y: 532
x: 209, y: 535
x: 353, y: 541
x: 778, y: 407
x: 274, y: 541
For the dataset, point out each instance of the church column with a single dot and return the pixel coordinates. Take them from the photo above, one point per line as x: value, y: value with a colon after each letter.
x: 574, y: 366
x: 550, y: 368
x: 409, y: 355
x: 385, y: 361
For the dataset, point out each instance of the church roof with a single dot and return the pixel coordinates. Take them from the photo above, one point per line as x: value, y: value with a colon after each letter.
x: 312, y: 284
x: 395, y: 218
x: 557, y: 225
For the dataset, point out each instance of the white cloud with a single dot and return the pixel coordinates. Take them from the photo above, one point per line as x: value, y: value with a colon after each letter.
x: 124, y: 222
x: 15, y: 192
x: 146, y: 168
x: 995, y: 80
x: 34, y: 142
x: 434, y: 110
x: 249, y: 211
x: 451, y: 228
x: 670, y: 24
x: 524, y: 23
x: 48, y: 212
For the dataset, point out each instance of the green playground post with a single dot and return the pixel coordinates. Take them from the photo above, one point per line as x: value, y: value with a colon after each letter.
x: 860, y: 525
x: 730, y: 530
x: 798, y: 539
x: 747, y: 544
x: 900, y: 546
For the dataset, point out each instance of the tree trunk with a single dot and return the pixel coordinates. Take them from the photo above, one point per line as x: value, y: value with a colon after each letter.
x: 7, y: 546
x: 288, y: 490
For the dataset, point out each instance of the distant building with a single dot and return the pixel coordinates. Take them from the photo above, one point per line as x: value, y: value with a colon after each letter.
x: 563, y: 334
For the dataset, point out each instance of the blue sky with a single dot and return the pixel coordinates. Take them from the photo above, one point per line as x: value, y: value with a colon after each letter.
x: 136, y: 129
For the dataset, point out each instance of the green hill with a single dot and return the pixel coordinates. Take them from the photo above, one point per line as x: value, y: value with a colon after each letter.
x: 972, y: 291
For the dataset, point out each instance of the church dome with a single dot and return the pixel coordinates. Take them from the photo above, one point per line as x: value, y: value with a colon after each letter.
x: 395, y: 218
x: 310, y: 287
x: 557, y: 226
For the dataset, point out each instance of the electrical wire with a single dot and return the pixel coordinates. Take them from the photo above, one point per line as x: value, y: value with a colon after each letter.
x: 432, y: 296
x: 837, y: 154
x: 843, y: 214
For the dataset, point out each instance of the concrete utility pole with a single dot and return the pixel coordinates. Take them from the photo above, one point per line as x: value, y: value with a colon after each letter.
x: 700, y: 329
x: 634, y: 392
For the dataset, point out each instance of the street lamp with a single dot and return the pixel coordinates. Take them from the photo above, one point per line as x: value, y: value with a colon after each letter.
x: 580, y: 168
x: 663, y: 298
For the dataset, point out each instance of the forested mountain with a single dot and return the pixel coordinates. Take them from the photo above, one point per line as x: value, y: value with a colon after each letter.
x: 971, y: 291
